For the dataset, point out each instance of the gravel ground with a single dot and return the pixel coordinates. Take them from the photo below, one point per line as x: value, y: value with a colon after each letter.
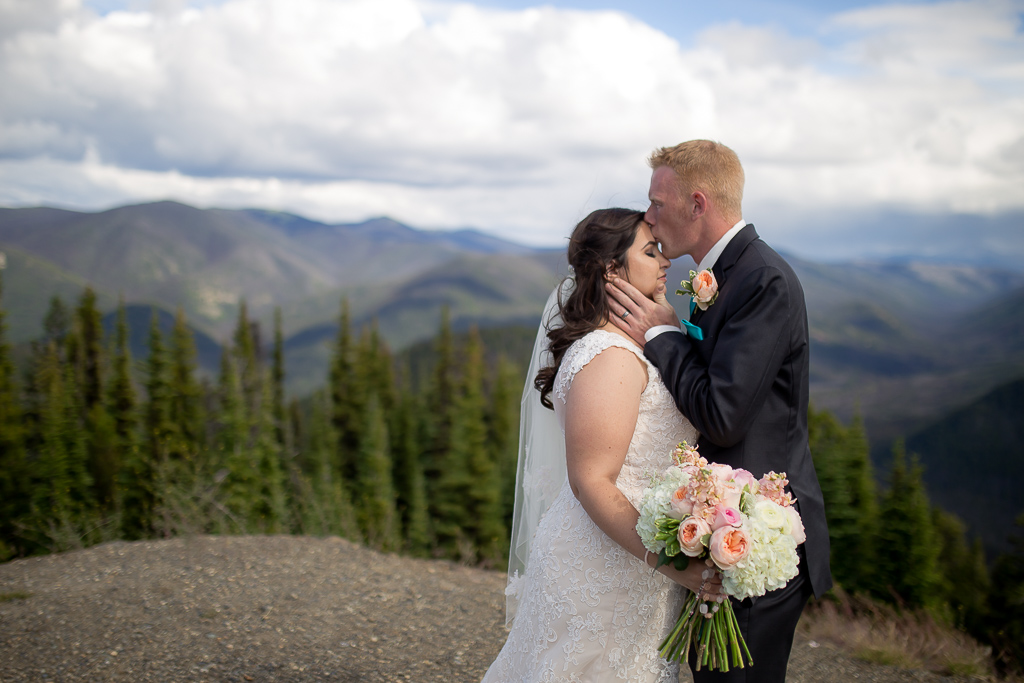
x: 275, y: 608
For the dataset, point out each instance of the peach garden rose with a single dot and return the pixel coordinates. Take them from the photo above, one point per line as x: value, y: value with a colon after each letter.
x: 691, y: 531
x: 702, y: 287
x: 728, y: 546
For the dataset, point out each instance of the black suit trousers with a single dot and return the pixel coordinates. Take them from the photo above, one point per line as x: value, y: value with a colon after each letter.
x: 767, y: 624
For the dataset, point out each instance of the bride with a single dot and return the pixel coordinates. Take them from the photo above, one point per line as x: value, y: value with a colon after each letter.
x: 583, y: 597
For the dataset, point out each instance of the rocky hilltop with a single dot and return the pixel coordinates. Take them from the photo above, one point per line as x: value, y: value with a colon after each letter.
x: 274, y: 608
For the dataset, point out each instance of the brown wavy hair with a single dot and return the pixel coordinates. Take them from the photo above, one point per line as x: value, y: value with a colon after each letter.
x: 600, y: 240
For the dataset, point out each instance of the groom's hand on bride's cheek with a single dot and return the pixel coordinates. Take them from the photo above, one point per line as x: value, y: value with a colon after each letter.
x: 634, y: 313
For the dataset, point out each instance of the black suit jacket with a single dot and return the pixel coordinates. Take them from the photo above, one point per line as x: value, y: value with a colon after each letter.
x: 744, y: 387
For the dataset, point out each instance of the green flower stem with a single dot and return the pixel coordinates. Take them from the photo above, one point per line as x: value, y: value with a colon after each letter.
x: 718, y: 640
x: 704, y: 641
x: 734, y: 634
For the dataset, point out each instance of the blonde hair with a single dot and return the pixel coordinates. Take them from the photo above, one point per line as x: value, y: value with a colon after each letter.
x: 708, y: 166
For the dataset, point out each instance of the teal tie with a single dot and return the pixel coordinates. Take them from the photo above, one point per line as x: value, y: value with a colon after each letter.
x: 690, y: 328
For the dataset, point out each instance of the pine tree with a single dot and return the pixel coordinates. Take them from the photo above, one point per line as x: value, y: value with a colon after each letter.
x: 231, y: 433
x: 56, y: 323
x: 410, y: 486
x: 158, y: 423
x: 841, y: 459
x: 277, y: 380
x: 376, y: 502
x: 325, y: 508
x: 504, y: 433
x: 271, y: 500
x: 121, y: 396
x: 142, y: 472
x: 864, y: 500
x: 375, y: 365
x: 963, y: 573
x: 184, y: 404
x: 345, y: 402
x: 440, y: 398
x: 90, y: 337
x: 254, y: 489
x: 234, y: 454
x: 62, y: 490
x: 121, y: 409
x: 13, y: 468
x: 104, y: 457
x: 247, y: 352
x: 469, y: 439
x: 297, y: 434
x: 99, y: 432
x: 908, y: 548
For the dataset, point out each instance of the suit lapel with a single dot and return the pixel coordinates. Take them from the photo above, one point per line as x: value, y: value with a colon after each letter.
x: 727, y: 260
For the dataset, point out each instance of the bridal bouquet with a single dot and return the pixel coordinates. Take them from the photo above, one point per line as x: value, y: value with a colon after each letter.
x: 747, y: 528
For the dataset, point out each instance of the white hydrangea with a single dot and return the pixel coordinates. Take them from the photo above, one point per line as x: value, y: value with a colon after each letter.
x: 656, y: 504
x: 770, y: 564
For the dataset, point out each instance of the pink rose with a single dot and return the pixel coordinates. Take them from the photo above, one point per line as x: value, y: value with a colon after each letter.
x: 745, y: 478
x: 726, y: 516
x: 690, y: 532
x: 681, y: 503
x: 728, y: 546
x: 705, y: 289
x: 797, y: 524
x: 720, y: 471
x: 731, y: 493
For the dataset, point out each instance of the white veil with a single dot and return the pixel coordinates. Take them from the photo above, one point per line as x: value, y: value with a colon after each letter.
x: 541, y: 469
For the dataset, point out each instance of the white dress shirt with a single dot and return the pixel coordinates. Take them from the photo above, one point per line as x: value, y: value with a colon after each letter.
x: 709, y: 261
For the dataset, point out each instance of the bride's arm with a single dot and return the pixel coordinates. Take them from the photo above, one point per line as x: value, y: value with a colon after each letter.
x: 601, y: 409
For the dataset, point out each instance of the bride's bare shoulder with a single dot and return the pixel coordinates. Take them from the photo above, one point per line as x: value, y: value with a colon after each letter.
x: 606, y: 358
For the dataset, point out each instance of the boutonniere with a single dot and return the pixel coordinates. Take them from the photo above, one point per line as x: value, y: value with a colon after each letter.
x: 702, y: 287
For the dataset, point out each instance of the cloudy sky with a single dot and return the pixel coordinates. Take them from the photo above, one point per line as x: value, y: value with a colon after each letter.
x: 510, y: 116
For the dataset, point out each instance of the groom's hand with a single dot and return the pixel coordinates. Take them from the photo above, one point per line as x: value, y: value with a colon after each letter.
x: 634, y: 313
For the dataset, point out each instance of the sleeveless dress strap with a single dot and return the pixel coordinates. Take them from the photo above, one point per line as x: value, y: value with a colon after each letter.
x: 587, y: 349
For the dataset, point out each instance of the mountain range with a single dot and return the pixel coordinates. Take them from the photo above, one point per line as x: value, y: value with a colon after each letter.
x: 902, y: 344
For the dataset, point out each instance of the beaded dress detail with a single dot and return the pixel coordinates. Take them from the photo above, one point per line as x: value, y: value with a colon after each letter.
x: 589, y: 610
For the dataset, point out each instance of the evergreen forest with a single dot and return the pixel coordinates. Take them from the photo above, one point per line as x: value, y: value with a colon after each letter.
x: 97, y: 446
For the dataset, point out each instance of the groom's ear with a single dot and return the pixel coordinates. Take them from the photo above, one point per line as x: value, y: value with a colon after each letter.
x: 700, y: 203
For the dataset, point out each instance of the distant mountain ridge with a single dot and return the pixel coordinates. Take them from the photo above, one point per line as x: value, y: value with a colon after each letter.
x: 901, y: 343
x: 207, y: 261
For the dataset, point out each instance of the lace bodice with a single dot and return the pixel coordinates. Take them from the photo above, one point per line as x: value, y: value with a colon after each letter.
x: 659, y: 425
x: 589, y: 611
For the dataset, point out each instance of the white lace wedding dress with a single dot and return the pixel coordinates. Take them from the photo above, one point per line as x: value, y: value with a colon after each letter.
x: 588, y: 609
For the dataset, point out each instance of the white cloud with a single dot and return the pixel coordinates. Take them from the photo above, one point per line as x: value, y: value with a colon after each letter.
x: 517, y: 122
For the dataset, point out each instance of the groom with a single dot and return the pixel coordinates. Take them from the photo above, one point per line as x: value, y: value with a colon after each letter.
x: 738, y: 370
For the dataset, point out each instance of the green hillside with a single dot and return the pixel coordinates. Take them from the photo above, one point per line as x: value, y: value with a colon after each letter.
x: 29, y: 284
x: 974, y: 462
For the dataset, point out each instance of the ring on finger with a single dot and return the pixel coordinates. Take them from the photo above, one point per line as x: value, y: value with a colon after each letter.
x: 623, y: 316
